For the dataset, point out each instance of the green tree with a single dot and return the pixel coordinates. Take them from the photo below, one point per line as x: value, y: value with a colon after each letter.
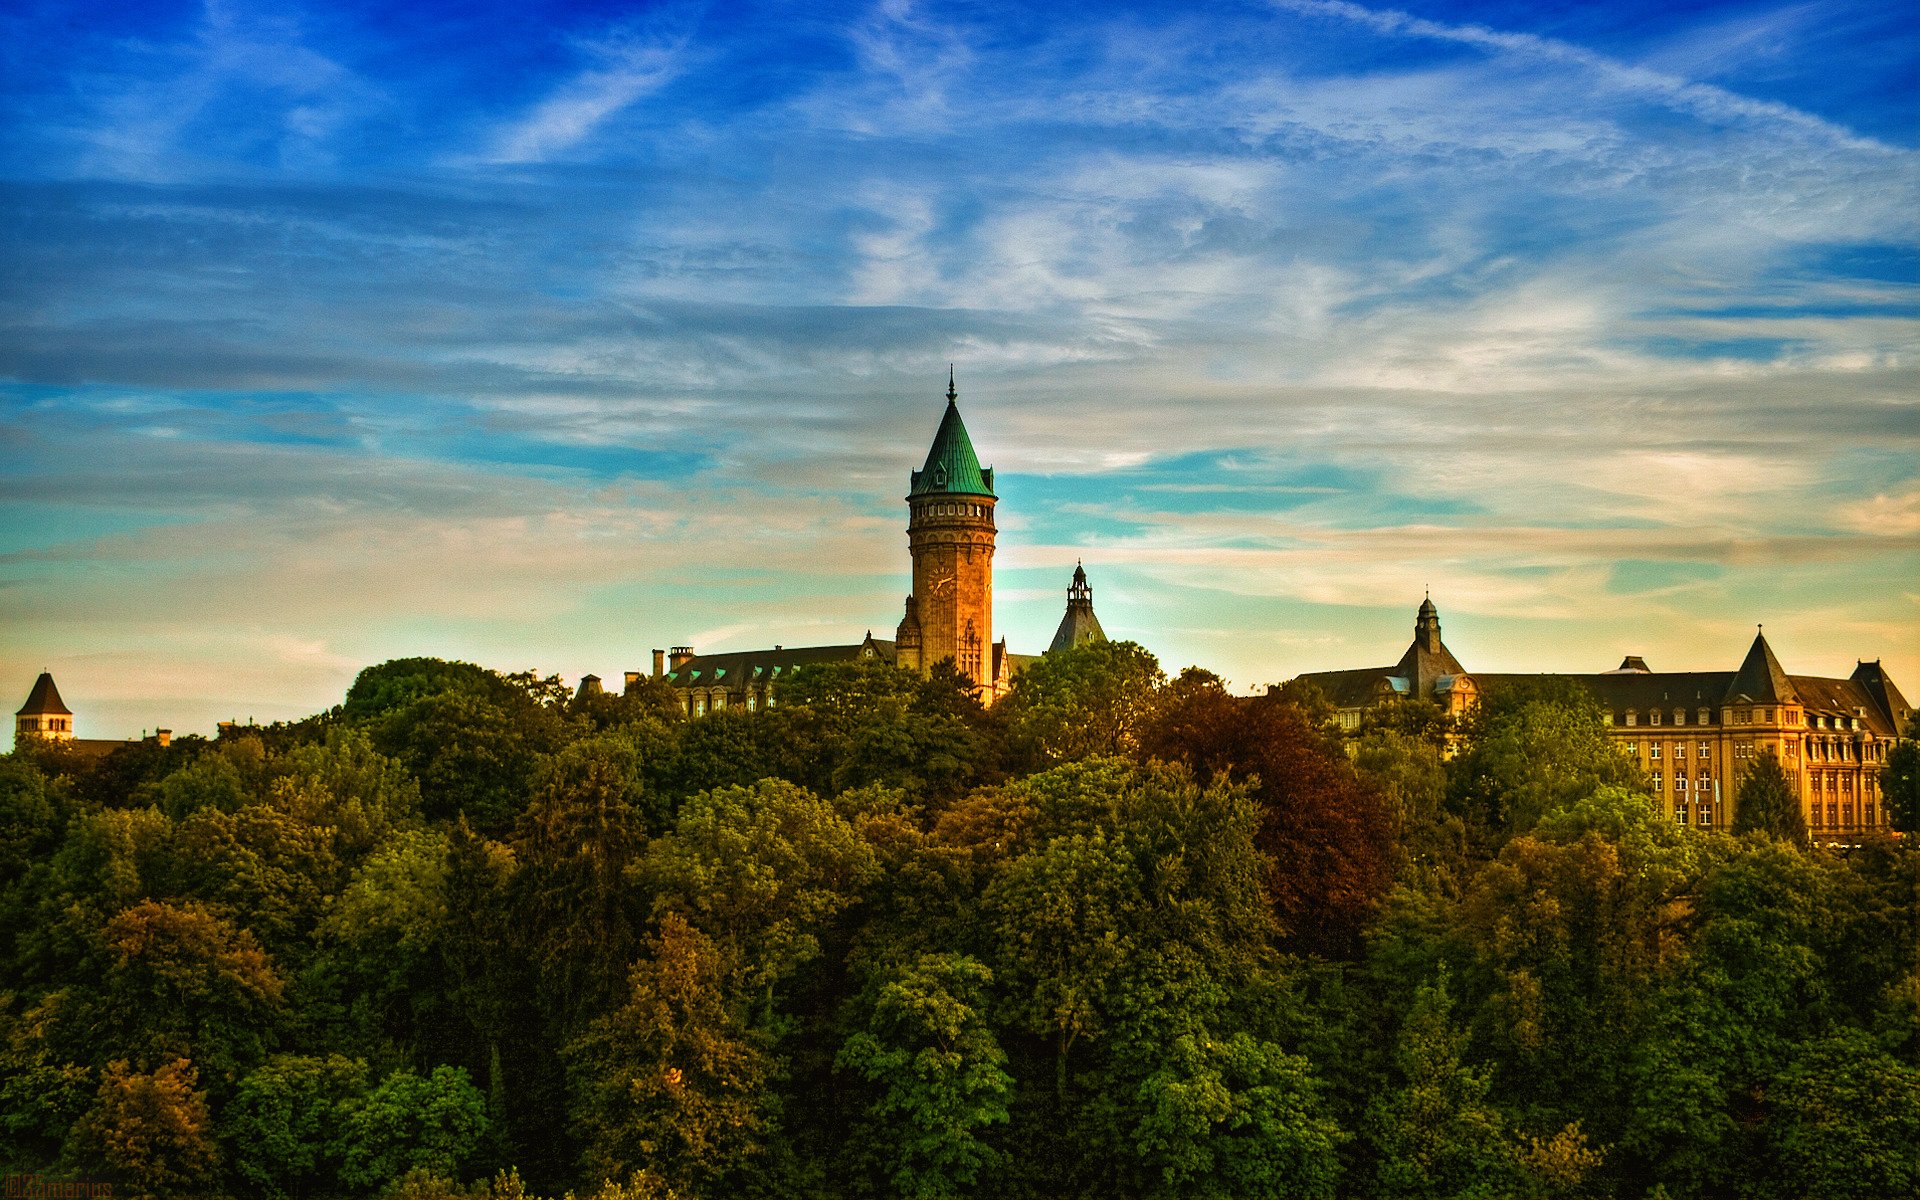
x: 1765, y: 802
x: 151, y: 1130
x: 1844, y: 1119
x: 1900, y: 780
x: 761, y: 868
x: 575, y: 842
x: 1529, y: 749
x: 281, y: 1127
x: 433, y: 1122
x: 1089, y: 700
x: 1437, y: 1134
x: 1235, y: 1116
x: 940, y: 1076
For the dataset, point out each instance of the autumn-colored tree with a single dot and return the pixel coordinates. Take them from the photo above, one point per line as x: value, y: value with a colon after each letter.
x: 151, y: 1130
x: 677, y: 1080
x: 180, y: 978
x: 1327, y: 830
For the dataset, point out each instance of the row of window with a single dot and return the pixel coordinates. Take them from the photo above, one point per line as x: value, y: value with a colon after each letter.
x: 955, y: 510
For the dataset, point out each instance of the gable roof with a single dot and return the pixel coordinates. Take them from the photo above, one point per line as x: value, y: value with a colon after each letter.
x: 44, y: 700
x: 952, y: 468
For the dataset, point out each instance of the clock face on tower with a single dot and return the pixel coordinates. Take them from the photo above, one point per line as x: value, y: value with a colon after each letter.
x: 941, y: 585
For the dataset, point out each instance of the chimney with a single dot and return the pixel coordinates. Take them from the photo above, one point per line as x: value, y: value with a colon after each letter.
x: 678, y: 656
x: 633, y: 680
x: 163, y: 736
x: 659, y: 663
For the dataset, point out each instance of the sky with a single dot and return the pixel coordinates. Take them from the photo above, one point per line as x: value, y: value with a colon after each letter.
x: 541, y: 335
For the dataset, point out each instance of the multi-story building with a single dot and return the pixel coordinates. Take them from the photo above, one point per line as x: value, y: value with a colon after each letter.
x: 949, y: 612
x: 1692, y: 732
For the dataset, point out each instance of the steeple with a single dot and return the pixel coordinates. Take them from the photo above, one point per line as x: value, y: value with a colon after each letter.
x: 1426, y: 626
x: 1761, y: 679
x: 952, y: 468
x: 1427, y: 660
x: 44, y: 714
x: 1079, y: 625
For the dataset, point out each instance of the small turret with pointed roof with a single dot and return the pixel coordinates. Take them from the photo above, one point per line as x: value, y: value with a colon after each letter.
x: 1761, y: 679
x: 1079, y: 626
x: 44, y: 714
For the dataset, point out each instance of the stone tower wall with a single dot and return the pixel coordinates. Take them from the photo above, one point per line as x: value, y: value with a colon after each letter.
x: 951, y: 540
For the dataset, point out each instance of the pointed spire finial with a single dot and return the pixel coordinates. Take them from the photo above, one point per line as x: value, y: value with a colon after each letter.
x: 952, y: 395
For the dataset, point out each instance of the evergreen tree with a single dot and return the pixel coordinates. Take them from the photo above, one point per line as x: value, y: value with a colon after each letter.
x: 1765, y: 802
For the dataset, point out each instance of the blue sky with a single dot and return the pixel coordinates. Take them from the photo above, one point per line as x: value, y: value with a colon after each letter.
x: 542, y: 335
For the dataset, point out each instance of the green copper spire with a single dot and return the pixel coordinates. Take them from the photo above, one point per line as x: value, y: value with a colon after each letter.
x: 952, y: 466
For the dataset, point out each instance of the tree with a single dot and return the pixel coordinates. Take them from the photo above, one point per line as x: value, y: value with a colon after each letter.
x: 1235, y: 1116
x: 1764, y: 802
x: 1087, y: 700
x: 940, y: 1075
x: 151, y: 1129
x: 1529, y: 749
x: 1844, y: 1120
x: 1327, y: 831
x: 677, y: 1079
x: 760, y: 868
x: 411, y: 1122
x: 575, y: 841
x: 180, y: 978
x: 281, y: 1128
x: 1437, y: 1134
x: 1900, y: 780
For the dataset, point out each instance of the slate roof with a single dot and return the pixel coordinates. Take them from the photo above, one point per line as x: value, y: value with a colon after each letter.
x: 952, y: 468
x: 746, y: 667
x: 1078, y: 625
x: 1353, y: 688
x: 1872, y: 679
x: 1760, y: 678
x: 44, y: 700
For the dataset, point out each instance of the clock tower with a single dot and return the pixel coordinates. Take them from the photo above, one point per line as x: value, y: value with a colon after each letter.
x: 950, y: 535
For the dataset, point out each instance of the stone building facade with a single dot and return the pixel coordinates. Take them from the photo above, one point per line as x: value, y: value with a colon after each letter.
x: 1693, y: 732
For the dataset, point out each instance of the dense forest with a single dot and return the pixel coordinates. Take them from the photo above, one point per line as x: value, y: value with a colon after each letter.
x: 470, y: 935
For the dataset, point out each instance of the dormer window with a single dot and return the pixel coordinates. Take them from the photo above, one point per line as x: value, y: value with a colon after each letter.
x: 1653, y: 717
x: 1630, y: 717
x: 1679, y: 716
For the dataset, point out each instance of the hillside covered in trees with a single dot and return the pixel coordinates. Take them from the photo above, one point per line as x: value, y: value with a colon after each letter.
x: 1120, y: 936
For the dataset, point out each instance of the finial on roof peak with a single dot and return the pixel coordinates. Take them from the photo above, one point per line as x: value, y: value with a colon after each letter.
x: 952, y: 394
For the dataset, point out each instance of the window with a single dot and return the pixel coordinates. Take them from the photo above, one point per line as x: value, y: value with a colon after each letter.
x: 1743, y: 749
x: 1679, y: 716
x: 1656, y: 781
x: 1630, y: 716
x: 1680, y: 780
x: 752, y: 702
x: 1653, y: 751
x: 1633, y: 749
x: 1653, y: 718
x: 1706, y: 749
x: 1704, y: 717
x: 1766, y: 715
